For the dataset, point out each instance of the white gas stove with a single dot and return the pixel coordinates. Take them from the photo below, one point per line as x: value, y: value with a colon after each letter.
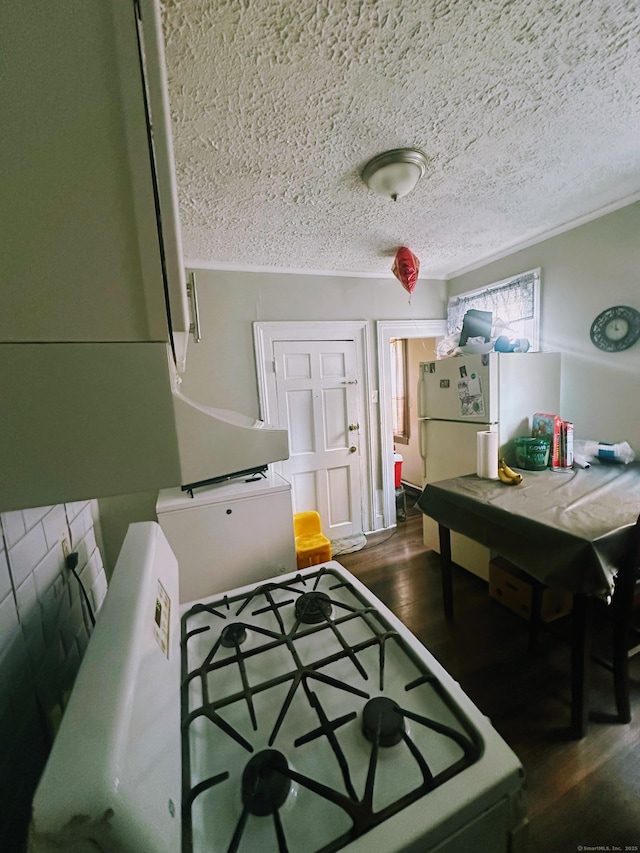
x: 297, y: 714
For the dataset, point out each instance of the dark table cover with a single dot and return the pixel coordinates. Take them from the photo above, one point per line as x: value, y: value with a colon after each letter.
x: 569, y: 529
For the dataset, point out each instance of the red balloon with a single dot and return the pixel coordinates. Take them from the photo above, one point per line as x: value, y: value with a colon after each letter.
x: 406, y: 268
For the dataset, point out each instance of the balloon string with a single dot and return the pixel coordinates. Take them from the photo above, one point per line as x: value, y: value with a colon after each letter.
x: 414, y: 320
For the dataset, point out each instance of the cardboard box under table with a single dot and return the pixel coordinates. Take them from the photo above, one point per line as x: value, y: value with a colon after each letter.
x: 514, y: 589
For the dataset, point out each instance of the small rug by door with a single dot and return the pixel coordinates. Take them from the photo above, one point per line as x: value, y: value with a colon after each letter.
x: 348, y: 544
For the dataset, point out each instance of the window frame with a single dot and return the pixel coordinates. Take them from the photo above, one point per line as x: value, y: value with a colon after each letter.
x: 481, y: 298
x: 403, y: 436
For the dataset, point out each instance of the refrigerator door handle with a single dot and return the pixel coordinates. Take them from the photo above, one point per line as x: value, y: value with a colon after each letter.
x: 420, y: 441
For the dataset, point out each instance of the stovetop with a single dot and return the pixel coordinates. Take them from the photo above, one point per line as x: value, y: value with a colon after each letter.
x: 308, y: 718
x: 290, y: 736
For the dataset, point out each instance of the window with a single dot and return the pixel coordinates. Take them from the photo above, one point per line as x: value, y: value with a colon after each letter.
x: 399, y: 391
x: 514, y: 303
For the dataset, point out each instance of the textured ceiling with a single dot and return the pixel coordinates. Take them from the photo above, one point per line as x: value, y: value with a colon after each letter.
x: 527, y: 110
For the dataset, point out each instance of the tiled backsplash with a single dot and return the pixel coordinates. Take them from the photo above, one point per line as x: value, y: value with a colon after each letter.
x: 44, y: 629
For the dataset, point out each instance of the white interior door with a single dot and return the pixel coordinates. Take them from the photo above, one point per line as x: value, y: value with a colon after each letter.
x: 317, y: 399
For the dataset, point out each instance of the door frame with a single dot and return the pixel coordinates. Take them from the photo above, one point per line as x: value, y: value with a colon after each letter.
x: 387, y: 329
x: 265, y: 334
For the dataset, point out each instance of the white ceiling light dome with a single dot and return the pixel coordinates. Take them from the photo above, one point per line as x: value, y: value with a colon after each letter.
x: 394, y: 174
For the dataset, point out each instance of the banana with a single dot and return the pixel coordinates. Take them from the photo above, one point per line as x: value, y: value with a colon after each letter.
x: 508, y: 475
x: 509, y: 481
x: 509, y: 471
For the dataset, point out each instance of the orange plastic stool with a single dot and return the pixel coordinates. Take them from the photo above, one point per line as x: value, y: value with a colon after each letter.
x: 312, y: 546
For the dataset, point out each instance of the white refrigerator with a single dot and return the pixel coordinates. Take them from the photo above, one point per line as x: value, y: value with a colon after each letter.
x: 460, y: 396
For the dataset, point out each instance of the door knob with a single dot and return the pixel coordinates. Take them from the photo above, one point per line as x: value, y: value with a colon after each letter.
x: 353, y: 448
x: 353, y: 427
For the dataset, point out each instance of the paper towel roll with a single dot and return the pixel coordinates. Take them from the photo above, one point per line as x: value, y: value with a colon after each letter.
x: 487, y: 455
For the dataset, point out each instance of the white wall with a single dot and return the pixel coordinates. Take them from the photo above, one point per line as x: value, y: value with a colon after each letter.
x: 221, y: 370
x: 116, y: 514
x: 44, y: 630
x: 584, y: 271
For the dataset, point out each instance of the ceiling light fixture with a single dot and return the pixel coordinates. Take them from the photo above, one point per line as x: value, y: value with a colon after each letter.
x: 395, y: 173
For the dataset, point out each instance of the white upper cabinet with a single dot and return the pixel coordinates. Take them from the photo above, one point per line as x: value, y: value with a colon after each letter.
x: 84, y: 258
x: 91, y: 270
x: 92, y: 286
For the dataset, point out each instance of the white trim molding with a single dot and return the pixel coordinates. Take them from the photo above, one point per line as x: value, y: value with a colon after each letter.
x: 233, y: 266
x: 265, y: 334
x: 541, y: 236
x: 387, y: 329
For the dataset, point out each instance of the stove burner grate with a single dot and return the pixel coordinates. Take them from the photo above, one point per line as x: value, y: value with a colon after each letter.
x: 267, y: 777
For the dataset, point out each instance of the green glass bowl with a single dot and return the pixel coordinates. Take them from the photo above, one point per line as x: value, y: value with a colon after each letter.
x: 532, y: 454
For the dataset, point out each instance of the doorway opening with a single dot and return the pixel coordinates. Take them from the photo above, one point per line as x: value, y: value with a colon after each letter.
x: 375, y: 406
x: 428, y: 331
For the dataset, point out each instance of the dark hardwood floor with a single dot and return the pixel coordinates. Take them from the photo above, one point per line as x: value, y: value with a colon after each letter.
x: 580, y: 792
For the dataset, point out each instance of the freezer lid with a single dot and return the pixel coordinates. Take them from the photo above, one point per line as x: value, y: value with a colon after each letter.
x: 243, y: 488
x: 215, y: 443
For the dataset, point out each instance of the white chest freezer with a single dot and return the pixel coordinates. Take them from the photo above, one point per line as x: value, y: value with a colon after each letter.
x: 229, y: 534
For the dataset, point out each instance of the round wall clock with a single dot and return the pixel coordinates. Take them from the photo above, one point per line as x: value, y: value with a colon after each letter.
x: 616, y: 328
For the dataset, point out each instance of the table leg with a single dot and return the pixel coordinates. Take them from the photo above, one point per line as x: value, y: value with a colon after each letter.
x: 621, y: 674
x: 580, y: 664
x: 622, y: 610
x: 445, y: 569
